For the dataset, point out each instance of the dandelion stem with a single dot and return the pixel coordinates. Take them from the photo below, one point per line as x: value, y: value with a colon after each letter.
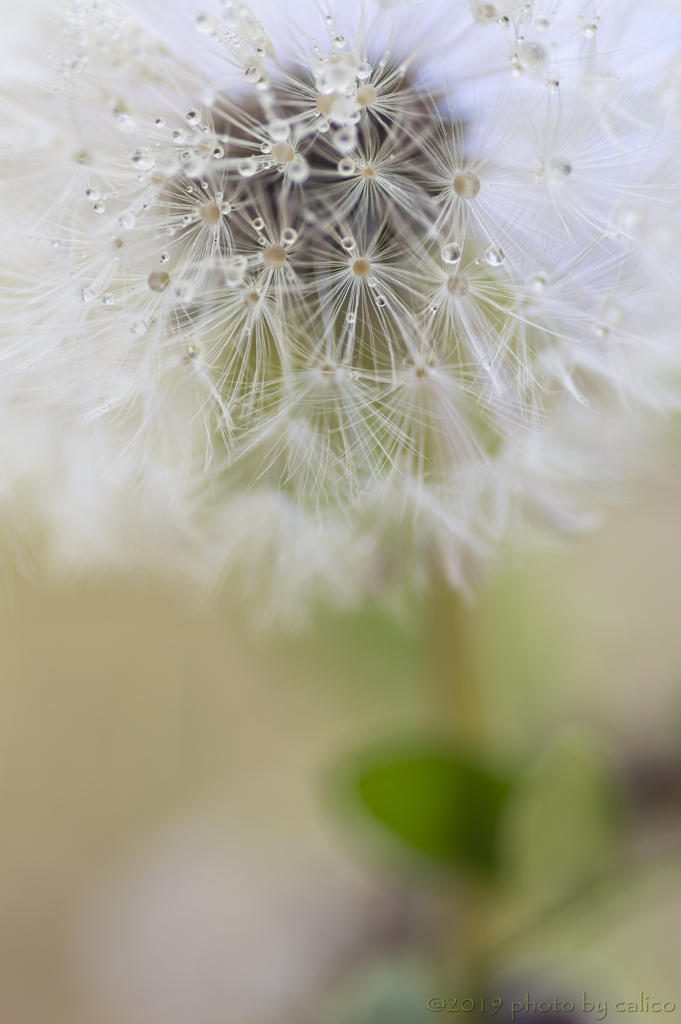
x: 459, y: 700
x: 452, y: 629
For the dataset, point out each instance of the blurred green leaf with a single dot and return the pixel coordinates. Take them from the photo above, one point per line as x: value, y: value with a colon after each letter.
x: 437, y: 802
x: 562, y: 823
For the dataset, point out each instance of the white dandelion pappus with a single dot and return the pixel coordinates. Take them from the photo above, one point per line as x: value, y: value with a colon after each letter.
x: 336, y: 315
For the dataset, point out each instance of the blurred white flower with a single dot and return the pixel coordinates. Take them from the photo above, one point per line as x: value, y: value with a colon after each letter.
x: 339, y: 314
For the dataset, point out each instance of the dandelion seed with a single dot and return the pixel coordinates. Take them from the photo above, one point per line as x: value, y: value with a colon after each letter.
x: 274, y: 257
x: 466, y: 184
x: 158, y: 280
x: 361, y: 268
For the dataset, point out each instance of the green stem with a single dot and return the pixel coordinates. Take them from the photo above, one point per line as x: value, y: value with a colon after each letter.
x: 453, y: 651
x: 452, y: 643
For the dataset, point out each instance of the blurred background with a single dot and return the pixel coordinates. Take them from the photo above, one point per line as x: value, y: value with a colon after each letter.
x: 173, y: 850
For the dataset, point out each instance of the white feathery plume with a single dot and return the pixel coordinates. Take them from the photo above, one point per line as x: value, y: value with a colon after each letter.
x: 338, y: 314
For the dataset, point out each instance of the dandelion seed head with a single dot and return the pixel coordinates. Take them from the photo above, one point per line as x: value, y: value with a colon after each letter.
x: 354, y: 312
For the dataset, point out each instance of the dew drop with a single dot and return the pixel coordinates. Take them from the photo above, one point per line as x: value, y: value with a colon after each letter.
x: 542, y: 24
x: 299, y: 169
x: 234, y: 272
x: 86, y: 295
x: 218, y: 152
x: 204, y: 22
x: 55, y: 243
x: 552, y: 85
x: 381, y: 301
x: 278, y: 130
x: 258, y: 223
x: 350, y: 318
x: 137, y: 328
x: 339, y: 41
x: 348, y: 243
x: 248, y: 167
x: 193, y: 116
x: 183, y: 290
x: 160, y: 123
x: 165, y: 257
x: 265, y: 147
x: 532, y: 54
x: 92, y: 193
x: 457, y: 286
x: 338, y: 75
x: 127, y: 221
x: 371, y: 281
x: 589, y: 30
x: 143, y: 158
x: 363, y: 70
x: 503, y: 22
x: 252, y: 73
x: 346, y: 166
x: 558, y: 169
x: 226, y: 207
x: 289, y: 236
x: 345, y: 138
x: 494, y: 255
x: 108, y: 299
x: 450, y: 253
x: 99, y: 208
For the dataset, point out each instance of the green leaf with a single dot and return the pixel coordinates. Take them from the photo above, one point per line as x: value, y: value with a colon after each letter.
x: 562, y: 822
x: 437, y: 802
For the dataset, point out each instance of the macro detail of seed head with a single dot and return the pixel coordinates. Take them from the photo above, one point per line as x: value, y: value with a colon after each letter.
x: 316, y: 312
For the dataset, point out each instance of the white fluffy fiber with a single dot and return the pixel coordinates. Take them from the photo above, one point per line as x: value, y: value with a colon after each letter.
x: 329, y: 302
